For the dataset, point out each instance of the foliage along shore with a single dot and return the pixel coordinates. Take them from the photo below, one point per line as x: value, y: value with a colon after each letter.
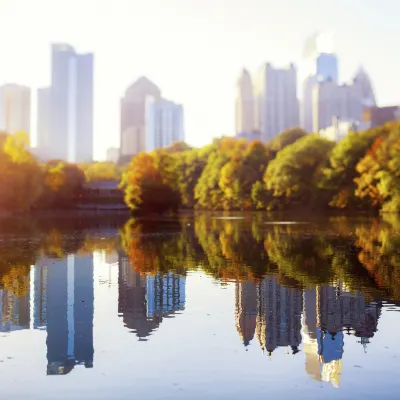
x: 294, y: 171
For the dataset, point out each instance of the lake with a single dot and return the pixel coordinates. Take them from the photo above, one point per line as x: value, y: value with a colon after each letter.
x: 204, y: 306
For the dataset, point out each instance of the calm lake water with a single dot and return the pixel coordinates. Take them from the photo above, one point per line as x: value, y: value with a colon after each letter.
x: 211, y: 306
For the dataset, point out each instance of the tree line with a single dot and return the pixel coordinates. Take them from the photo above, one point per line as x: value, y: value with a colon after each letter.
x: 26, y: 184
x: 295, y: 170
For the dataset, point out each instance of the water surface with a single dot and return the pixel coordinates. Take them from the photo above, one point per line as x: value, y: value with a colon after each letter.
x: 225, y: 306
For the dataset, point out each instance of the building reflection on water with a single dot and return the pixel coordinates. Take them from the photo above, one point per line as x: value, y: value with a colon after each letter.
x: 144, y: 300
x: 60, y: 299
x: 318, y: 317
x: 63, y: 304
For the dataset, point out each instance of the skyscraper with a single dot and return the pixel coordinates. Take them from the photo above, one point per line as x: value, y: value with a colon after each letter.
x: 15, y: 108
x: 327, y: 67
x: 43, y: 121
x: 331, y: 101
x: 362, y: 83
x: 71, y: 94
x: 321, y: 65
x: 164, y: 123
x: 133, y: 115
x: 277, y: 107
x: 244, y: 104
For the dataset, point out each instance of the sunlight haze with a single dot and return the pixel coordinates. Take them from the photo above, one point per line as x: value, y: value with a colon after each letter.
x: 193, y: 49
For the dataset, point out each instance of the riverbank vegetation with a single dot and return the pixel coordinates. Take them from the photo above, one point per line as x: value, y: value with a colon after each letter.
x: 294, y: 171
x: 27, y: 185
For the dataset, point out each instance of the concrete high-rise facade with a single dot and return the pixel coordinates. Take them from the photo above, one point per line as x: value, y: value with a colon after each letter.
x: 321, y: 65
x: 332, y: 101
x: 164, y: 123
x: 276, y: 103
x: 43, y: 121
x: 363, y: 86
x: 15, y: 108
x: 69, y: 123
x: 133, y: 116
x: 244, y: 104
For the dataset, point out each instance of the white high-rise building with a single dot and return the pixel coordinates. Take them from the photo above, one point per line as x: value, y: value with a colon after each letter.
x: 164, y: 123
x: 276, y: 103
x: 43, y: 122
x: 71, y: 95
x: 15, y: 108
x: 133, y: 115
x: 362, y: 83
x: 321, y: 65
x: 344, y: 102
x: 244, y: 104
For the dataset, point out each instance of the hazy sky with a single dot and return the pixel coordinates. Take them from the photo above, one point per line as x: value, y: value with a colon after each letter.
x: 193, y: 49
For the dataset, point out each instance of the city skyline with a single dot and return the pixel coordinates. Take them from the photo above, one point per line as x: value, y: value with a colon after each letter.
x: 186, y: 66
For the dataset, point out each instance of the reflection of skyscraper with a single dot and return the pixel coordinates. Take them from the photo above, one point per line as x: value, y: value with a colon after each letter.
x: 14, y: 311
x: 143, y: 301
x: 63, y: 301
x: 309, y: 334
x: 339, y: 309
x: 40, y: 297
x: 246, y: 310
x: 330, y: 350
x: 279, y: 318
x: 328, y: 310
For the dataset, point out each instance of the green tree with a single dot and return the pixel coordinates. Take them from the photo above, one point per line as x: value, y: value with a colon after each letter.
x: 285, y: 139
x: 63, y: 185
x: 101, y: 171
x: 294, y: 175
x: 150, y: 183
x: 341, y: 170
x: 379, y: 172
x: 20, y: 174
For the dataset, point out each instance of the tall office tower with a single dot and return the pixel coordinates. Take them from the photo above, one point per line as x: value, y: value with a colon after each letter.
x: 319, y: 59
x: 43, y: 122
x: 71, y: 137
x: 306, y: 106
x: 133, y: 116
x: 332, y: 101
x: 363, y: 86
x: 277, y: 106
x: 244, y: 104
x: 63, y: 303
x: 164, y: 123
x: 246, y: 310
x: 15, y: 108
x: 327, y: 67
x: 321, y: 65
x: 279, y: 315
